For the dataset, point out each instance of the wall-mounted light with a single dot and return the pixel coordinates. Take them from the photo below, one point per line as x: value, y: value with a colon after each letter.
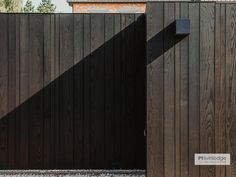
x: 182, y: 27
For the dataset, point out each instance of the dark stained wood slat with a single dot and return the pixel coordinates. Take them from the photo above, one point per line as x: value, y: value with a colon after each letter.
x: 56, y: 92
x: 66, y: 90
x: 117, y: 89
x: 47, y: 110
x: 87, y: 90
x: 4, y: 91
x: 155, y: 91
x: 194, y: 84
x: 24, y: 92
x: 110, y: 126
x: 207, y: 122
x: 78, y: 91
x: 220, y: 91
x: 140, y: 91
x: 122, y: 85
x: 177, y: 99
x: 17, y: 72
x: 36, y: 77
x: 52, y: 92
x: 58, y: 67
x: 97, y: 81
x: 129, y: 90
x: 12, y: 78
x: 169, y: 150
x: 230, y: 87
x: 184, y: 99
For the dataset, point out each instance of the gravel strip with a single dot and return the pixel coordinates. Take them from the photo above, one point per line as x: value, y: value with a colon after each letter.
x: 72, y: 173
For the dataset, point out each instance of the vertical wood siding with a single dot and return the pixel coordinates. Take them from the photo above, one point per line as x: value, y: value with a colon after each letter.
x: 191, y: 88
x: 72, y: 91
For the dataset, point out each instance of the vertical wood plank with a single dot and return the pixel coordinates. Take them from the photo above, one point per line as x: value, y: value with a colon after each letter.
x: 177, y: 99
x: 66, y: 90
x: 52, y: 92
x: 207, y: 123
x: 12, y: 77
x: 184, y: 100
x: 72, y: 98
x: 122, y: 83
x: 4, y: 91
x: 110, y: 127
x: 56, y: 92
x: 24, y: 91
x: 129, y: 90
x: 117, y: 88
x: 87, y: 89
x: 230, y: 87
x: 155, y: 91
x: 17, y: 111
x: 140, y: 91
x: 47, y: 62
x: 36, y: 76
x: 78, y: 91
x: 220, y: 89
x: 97, y: 90
x: 169, y: 84
x: 194, y: 84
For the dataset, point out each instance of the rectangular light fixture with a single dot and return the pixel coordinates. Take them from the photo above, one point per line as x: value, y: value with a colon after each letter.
x: 182, y: 26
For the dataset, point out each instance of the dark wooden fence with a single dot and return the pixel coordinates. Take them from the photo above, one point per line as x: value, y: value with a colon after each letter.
x: 191, y: 88
x: 72, y: 91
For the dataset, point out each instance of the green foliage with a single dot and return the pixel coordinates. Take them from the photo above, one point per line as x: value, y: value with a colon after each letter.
x: 46, y: 6
x: 29, y: 7
x: 10, y: 5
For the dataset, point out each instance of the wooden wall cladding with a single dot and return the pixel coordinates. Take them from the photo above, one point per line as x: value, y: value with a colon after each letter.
x: 72, y: 91
x: 191, y: 88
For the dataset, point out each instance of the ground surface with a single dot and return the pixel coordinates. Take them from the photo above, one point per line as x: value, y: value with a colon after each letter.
x: 73, y: 173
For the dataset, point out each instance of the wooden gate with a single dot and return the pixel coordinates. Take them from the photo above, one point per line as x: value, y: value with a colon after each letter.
x: 72, y: 91
x: 191, y: 88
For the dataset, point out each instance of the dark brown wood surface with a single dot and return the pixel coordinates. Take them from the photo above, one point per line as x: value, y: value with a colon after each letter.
x: 196, y: 76
x: 72, y: 91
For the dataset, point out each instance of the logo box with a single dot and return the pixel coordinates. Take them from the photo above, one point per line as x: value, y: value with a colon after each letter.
x: 212, y: 159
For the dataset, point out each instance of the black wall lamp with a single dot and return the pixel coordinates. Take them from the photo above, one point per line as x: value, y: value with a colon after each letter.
x: 182, y: 27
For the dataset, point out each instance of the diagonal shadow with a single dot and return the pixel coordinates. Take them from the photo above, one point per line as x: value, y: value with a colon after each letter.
x: 163, y: 41
x: 59, y: 129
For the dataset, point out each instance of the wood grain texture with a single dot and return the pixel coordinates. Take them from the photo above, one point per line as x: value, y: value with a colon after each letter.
x: 97, y: 91
x: 140, y: 88
x: 12, y: 79
x: 47, y: 72
x: 66, y: 90
x: 4, y: 90
x: 169, y: 84
x: 109, y: 89
x: 230, y: 86
x: 69, y: 94
x: 177, y: 121
x: 129, y: 82
x: 86, y: 85
x: 78, y: 91
x: 220, y: 84
x: 24, y: 92
x: 198, y: 87
x: 155, y: 91
x: 184, y: 98
x: 207, y: 121
x: 36, y: 80
x: 194, y: 85
x: 117, y: 88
